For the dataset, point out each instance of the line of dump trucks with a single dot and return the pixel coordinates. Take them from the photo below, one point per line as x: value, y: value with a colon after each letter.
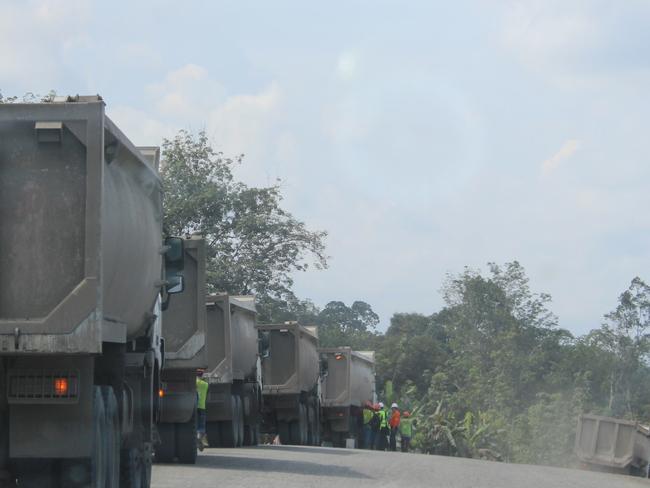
x: 103, y: 323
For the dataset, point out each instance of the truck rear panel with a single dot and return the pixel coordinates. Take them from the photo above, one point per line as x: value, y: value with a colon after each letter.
x: 80, y: 211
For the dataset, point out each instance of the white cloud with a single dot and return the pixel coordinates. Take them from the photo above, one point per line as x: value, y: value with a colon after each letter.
x: 248, y: 124
x: 567, y: 150
x: 347, y: 65
x: 37, y: 39
x: 141, y: 128
x: 185, y: 94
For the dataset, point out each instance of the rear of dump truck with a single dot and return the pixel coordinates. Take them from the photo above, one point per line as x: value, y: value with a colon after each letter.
x: 184, y: 332
x: 81, y: 267
x: 291, y: 382
x: 233, y: 374
x: 348, y: 383
x: 611, y: 444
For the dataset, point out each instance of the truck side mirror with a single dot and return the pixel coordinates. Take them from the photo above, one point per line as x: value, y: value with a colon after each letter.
x: 263, y: 345
x: 174, y: 265
x: 324, y: 367
x: 174, y: 253
x: 175, y: 284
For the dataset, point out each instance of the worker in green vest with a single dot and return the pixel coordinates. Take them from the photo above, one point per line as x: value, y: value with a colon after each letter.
x: 201, y: 396
x: 368, y: 414
x: 382, y: 441
x: 406, y: 430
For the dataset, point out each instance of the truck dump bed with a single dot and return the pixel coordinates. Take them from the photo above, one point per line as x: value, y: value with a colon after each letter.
x: 232, y: 338
x: 611, y: 442
x: 292, y: 365
x: 350, y: 379
x: 80, y: 210
x: 184, y: 321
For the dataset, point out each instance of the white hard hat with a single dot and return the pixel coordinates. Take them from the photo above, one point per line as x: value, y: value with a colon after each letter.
x: 394, y: 405
x: 381, y: 405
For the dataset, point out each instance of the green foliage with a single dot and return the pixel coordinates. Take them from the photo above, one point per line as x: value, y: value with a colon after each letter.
x: 253, y: 244
x: 28, y: 97
x: 492, y: 376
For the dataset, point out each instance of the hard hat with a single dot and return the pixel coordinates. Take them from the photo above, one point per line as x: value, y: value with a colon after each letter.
x: 381, y: 405
x: 394, y: 405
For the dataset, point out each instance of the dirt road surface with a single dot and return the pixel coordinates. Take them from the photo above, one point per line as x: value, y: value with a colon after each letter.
x: 300, y: 467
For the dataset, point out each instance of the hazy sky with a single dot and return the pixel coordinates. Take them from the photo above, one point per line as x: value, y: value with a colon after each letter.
x: 424, y: 136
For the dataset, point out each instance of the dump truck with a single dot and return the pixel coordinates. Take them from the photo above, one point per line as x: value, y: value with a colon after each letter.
x: 184, y: 332
x: 348, y: 383
x: 291, y: 382
x: 611, y: 444
x: 81, y: 261
x: 233, y: 373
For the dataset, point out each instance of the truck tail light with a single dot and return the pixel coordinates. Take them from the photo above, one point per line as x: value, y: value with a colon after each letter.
x: 161, y: 393
x: 61, y: 387
x: 43, y: 387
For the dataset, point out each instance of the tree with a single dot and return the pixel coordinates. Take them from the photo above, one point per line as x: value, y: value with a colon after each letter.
x: 253, y: 244
x: 354, y: 326
x: 625, y: 336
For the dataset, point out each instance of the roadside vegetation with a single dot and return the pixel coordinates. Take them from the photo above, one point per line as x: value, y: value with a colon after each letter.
x: 490, y: 375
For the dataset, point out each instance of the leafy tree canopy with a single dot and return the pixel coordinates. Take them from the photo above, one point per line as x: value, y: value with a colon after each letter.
x: 253, y: 244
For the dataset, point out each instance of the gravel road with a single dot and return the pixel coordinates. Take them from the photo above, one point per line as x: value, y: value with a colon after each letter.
x: 300, y: 467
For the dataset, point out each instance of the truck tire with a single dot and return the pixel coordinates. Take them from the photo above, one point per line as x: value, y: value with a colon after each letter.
x: 229, y: 429
x: 240, y: 421
x: 186, y: 441
x: 166, y: 450
x: 113, y: 438
x: 135, y: 470
x: 310, y: 424
x: 299, y: 430
x: 214, y: 435
x: 98, y: 460
x: 91, y: 472
x: 304, y: 425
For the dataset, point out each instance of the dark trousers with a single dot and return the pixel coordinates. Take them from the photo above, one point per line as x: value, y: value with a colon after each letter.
x: 367, y: 437
x: 393, y: 439
x: 406, y: 444
x: 381, y: 441
x: 200, y: 421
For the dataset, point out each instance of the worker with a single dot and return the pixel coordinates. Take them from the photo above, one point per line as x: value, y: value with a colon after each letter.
x: 202, y: 395
x: 374, y: 426
x: 380, y: 442
x: 406, y: 430
x: 368, y: 414
x: 393, y: 423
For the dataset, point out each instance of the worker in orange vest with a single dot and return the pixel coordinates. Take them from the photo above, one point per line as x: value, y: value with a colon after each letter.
x: 394, y: 426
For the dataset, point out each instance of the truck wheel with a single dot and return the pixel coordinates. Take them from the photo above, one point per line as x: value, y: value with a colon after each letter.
x: 135, y: 469
x: 90, y: 473
x: 240, y: 421
x: 304, y: 425
x: 186, y: 441
x: 113, y: 439
x: 229, y: 429
x: 166, y: 450
x: 310, y: 425
x: 214, y: 436
x: 284, y: 431
x: 98, y: 460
